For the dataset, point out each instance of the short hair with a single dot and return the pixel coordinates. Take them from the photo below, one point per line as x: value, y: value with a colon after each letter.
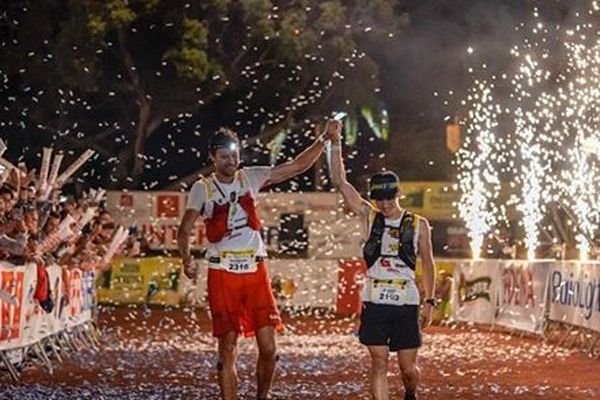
x: 223, y: 138
x: 7, y: 189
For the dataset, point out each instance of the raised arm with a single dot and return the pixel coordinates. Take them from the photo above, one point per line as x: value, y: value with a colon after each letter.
x: 303, y: 161
x: 352, y: 199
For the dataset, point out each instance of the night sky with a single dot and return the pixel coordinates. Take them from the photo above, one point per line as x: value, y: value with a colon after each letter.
x: 423, y: 75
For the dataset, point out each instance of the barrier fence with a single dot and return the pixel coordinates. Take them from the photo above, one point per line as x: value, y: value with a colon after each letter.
x: 43, y: 317
x: 516, y: 294
x: 542, y: 297
x: 558, y: 300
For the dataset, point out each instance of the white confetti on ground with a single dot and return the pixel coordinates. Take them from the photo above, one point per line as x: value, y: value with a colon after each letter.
x: 166, y: 356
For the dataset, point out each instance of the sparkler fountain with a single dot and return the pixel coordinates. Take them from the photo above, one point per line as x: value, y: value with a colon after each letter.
x: 543, y: 144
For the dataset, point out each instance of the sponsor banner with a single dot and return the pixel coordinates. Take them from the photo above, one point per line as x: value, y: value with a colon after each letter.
x: 339, y: 239
x: 435, y: 201
x: 23, y: 322
x: 443, y: 266
x: 574, y: 294
x: 522, y: 294
x: 304, y: 282
x: 321, y: 207
x: 31, y: 311
x: 295, y: 283
x: 444, y: 269
x: 351, y: 278
x: 155, y: 216
x: 81, y: 298
x: 50, y: 323
x: 12, y: 283
x: 151, y: 280
x: 475, y: 291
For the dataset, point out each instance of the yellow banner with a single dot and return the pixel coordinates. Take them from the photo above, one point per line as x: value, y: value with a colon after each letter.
x: 435, y: 201
x: 443, y: 286
x: 152, y: 280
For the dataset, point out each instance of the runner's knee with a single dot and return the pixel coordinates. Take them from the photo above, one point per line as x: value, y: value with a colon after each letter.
x: 227, y: 350
x: 410, y: 373
x: 268, y: 352
x: 379, y: 365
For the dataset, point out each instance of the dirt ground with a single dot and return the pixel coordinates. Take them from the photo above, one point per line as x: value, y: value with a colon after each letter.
x: 159, y: 354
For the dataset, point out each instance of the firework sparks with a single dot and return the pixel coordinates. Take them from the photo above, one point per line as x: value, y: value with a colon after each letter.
x: 553, y: 110
x: 478, y: 178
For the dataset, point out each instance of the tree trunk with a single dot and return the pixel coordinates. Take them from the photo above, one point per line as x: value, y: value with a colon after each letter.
x: 147, y: 124
x: 132, y: 158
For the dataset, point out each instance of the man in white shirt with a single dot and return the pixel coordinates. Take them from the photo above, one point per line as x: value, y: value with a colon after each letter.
x: 239, y: 288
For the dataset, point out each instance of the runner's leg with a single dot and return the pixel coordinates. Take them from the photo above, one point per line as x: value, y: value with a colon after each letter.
x: 226, y: 368
x: 407, y: 360
x: 267, y: 357
x: 379, y: 368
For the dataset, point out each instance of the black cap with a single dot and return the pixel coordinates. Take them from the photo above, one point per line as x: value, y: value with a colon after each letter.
x: 384, y: 185
x: 223, y: 139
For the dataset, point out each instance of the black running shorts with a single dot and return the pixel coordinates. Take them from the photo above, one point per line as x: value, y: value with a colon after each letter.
x: 388, y: 325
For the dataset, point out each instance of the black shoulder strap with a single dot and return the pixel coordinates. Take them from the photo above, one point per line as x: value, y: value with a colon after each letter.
x: 214, y: 182
x: 405, y: 225
x: 372, y: 247
x: 378, y: 225
x: 406, y: 248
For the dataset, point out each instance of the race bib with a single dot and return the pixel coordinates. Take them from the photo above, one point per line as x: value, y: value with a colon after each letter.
x: 389, y: 291
x: 239, y: 262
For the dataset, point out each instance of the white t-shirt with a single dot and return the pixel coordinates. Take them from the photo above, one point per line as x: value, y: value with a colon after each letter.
x: 244, y: 239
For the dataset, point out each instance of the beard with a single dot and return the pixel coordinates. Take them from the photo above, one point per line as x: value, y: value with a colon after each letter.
x: 230, y: 170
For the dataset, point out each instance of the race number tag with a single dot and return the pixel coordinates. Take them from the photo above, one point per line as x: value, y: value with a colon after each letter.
x: 239, y: 262
x: 392, y: 291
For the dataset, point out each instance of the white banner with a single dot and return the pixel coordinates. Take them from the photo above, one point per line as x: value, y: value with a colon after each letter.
x: 295, y: 283
x: 49, y: 324
x: 31, y: 310
x: 522, y: 294
x: 81, y: 297
x: 23, y: 322
x: 574, y: 294
x: 12, y: 282
x: 156, y: 217
x: 339, y: 239
x: 304, y: 283
x: 475, y: 292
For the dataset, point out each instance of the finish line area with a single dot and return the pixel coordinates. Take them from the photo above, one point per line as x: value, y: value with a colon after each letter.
x: 151, y: 353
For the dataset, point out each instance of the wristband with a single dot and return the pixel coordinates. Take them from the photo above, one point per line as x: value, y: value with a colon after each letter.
x: 431, y: 301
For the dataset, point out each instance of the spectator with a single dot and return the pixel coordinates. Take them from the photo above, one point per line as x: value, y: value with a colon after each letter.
x: 47, y: 226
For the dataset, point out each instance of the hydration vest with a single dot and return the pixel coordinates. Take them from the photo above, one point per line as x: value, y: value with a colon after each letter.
x: 217, y: 223
x: 406, y: 246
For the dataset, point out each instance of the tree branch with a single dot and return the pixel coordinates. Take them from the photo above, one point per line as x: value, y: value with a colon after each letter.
x: 267, y: 134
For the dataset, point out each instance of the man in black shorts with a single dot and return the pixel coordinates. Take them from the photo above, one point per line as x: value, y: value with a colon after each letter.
x: 390, y: 312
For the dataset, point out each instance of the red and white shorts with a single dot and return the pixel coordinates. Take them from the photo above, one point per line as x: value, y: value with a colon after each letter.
x: 243, y: 303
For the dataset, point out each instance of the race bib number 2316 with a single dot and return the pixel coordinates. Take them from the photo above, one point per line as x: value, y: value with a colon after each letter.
x: 239, y: 262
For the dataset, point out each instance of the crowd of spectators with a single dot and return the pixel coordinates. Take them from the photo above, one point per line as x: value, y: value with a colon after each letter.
x: 43, y: 225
